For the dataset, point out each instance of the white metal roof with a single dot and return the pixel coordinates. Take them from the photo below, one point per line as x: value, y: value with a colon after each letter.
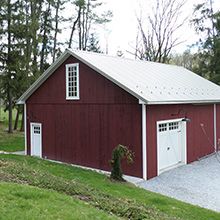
x: 153, y: 83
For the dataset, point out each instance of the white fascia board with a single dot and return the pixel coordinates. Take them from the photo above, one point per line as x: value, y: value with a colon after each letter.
x: 21, y: 102
x: 183, y: 102
x: 43, y: 77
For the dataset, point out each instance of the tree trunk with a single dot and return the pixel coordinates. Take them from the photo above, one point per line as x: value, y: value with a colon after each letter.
x: 10, y: 130
x: 16, y: 120
x: 45, y: 37
x: 34, y: 25
x: 22, y: 120
x: 9, y: 68
x: 28, y: 39
x: 80, y: 33
x: 35, y: 17
x: 56, y: 29
x: 74, y: 27
x: 86, y: 34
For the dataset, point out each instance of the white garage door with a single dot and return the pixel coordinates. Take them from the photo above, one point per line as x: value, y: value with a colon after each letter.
x: 170, y: 144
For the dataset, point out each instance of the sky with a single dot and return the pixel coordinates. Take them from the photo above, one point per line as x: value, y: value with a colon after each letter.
x: 120, y: 33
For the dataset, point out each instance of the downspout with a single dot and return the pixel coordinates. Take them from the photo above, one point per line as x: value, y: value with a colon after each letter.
x: 215, y: 130
x: 144, y: 141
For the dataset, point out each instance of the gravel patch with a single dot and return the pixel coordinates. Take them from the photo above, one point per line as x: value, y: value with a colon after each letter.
x: 197, y: 183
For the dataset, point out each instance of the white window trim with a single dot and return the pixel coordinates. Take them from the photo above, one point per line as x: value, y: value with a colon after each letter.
x: 67, y: 81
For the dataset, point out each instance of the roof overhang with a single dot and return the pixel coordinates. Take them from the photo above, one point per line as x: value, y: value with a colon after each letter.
x: 69, y: 53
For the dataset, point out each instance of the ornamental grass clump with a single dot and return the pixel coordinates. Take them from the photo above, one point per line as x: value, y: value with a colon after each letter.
x: 120, y: 152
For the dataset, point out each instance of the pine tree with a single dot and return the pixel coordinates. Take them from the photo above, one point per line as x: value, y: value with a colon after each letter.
x: 58, y: 6
x: 207, y: 25
x: 93, y: 44
x: 12, y: 47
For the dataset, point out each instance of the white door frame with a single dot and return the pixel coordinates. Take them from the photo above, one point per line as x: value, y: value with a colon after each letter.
x: 183, y: 141
x: 32, y: 124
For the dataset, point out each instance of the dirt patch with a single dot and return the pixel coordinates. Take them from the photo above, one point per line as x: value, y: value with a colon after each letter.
x: 83, y: 198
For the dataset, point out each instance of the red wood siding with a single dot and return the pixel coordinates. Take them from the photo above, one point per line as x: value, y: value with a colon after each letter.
x: 218, y: 124
x: 94, y: 88
x: 85, y: 131
x: 198, y: 144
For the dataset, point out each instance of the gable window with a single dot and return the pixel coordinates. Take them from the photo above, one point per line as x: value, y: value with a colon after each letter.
x: 72, y: 81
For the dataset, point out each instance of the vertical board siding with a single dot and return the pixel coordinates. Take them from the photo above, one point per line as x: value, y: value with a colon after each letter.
x: 198, y: 144
x: 88, y: 135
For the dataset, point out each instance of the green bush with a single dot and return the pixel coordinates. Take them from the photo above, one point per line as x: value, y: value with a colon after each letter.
x: 120, y: 152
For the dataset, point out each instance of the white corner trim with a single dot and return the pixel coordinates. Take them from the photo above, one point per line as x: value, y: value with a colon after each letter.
x: 215, y: 130
x: 25, y: 128
x: 144, y: 142
x: 141, y: 101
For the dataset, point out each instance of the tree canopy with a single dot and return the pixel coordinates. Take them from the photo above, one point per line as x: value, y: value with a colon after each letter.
x: 29, y: 31
x: 207, y: 25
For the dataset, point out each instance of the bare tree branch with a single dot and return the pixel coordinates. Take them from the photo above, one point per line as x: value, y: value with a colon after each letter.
x: 158, y: 31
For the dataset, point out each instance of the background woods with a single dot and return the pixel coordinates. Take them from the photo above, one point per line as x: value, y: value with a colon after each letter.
x: 33, y: 33
x: 29, y: 31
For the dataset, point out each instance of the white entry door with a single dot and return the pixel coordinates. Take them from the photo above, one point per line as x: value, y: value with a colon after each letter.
x: 170, y: 144
x: 36, y: 139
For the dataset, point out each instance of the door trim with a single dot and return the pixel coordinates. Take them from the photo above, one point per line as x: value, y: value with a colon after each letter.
x: 183, y: 142
x: 32, y: 124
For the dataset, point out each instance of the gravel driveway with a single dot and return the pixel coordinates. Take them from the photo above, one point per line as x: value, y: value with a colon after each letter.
x: 197, y: 183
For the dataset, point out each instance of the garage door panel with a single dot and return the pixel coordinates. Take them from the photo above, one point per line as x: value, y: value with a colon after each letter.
x: 170, y: 145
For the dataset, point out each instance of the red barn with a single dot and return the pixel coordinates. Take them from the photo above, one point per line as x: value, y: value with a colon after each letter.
x: 87, y: 103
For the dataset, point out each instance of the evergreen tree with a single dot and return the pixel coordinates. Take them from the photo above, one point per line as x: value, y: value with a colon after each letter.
x: 207, y: 25
x: 16, y: 52
x: 12, y: 52
x: 93, y: 44
x: 29, y: 40
x: 58, y: 6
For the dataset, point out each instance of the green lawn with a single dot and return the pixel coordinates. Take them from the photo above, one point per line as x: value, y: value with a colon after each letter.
x: 121, y: 199
x: 10, y: 142
x: 27, y: 202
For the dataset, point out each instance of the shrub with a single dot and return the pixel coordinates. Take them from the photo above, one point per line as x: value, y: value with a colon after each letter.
x: 120, y: 152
